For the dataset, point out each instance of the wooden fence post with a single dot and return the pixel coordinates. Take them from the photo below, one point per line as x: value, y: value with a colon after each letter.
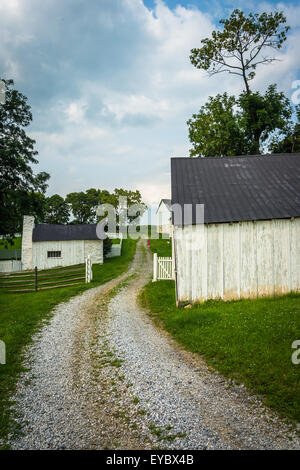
x: 88, y: 269
x: 35, y: 279
x: 154, y: 267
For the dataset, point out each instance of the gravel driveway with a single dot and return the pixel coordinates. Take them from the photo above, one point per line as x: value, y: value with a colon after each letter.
x: 103, y: 376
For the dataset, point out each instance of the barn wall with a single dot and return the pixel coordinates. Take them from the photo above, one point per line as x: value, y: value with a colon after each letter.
x: 239, y: 260
x: 73, y: 252
x: 95, y: 249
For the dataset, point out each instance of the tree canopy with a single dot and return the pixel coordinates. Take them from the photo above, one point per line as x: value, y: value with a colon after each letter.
x: 241, y: 45
x: 20, y: 188
x: 228, y: 125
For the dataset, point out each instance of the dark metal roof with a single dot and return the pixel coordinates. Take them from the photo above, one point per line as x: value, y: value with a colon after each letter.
x: 167, y: 203
x: 252, y: 187
x: 52, y: 232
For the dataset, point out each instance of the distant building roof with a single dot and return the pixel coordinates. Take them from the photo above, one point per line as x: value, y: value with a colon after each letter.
x: 167, y: 203
x: 253, y: 187
x: 53, y: 232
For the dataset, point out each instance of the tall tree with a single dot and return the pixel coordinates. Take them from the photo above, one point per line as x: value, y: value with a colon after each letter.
x: 216, y: 129
x: 19, y: 186
x: 56, y: 210
x: 81, y: 210
x: 288, y: 141
x: 242, y: 45
x: 223, y: 125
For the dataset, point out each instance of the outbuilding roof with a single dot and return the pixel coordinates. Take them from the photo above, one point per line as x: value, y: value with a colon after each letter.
x: 232, y: 189
x: 167, y: 203
x: 53, y: 232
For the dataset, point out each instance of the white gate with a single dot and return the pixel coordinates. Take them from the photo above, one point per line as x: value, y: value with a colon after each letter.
x: 162, y: 268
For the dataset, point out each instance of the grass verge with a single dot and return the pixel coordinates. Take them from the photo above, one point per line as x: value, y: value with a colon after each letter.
x: 21, y: 315
x: 246, y: 340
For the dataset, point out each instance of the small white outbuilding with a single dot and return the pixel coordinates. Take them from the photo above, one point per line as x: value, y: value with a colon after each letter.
x: 248, y: 245
x: 164, y: 217
x: 48, y: 245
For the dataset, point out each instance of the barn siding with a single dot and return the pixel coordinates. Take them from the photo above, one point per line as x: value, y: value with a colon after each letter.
x: 239, y: 260
x: 72, y: 251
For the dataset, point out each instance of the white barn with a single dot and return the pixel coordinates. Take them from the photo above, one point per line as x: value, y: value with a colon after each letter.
x: 249, y: 243
x: 164, y: 217
x: 49, y: 245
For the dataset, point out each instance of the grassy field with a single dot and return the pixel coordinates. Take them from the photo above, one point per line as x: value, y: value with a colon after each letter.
x: 16, y: 245
x: 248, y: 340
x: 21, y: 315
x: 162, y: 247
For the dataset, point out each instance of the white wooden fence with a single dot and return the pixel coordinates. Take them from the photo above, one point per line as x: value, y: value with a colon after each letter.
x: 88, y: 269
x: 163, y: 268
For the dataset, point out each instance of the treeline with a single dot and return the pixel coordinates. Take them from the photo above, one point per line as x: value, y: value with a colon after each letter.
x: 252, y: 122
x: 80, y: 207
x: 24, y: 192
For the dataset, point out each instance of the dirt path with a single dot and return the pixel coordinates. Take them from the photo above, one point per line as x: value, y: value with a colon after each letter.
x: 102, y: 376
x: 185, y: 401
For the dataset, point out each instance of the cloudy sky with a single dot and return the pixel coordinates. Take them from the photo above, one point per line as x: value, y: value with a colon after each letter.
x: 111, y: 86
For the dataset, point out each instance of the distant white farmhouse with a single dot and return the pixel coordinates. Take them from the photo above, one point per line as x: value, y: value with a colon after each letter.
x: 249, y: 244
x: 48, y: 245
x: 164, y: 217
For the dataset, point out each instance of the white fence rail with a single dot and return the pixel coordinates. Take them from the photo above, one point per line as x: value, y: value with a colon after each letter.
x: 162, y: 268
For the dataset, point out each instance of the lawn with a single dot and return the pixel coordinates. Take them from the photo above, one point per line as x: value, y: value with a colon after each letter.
x: 161, y: 246
x: 21, y: 315
x: 16, y: 244
x: 247, y: 340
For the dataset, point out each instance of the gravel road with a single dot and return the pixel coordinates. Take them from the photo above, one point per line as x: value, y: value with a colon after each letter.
x: 103, y: 376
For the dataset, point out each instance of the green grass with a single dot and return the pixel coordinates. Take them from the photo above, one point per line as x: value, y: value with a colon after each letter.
x: 21, y: 315
x: 247, y: 340
x: 161, y: 246
x: 116, y: 241
x: 16, y: 245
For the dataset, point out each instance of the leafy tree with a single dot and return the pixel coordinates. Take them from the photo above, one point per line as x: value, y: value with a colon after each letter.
x: 238, y: 49
x: 272, y: 111
x: 56, y: 210
x: 133, y: 197
x: 224, y: 126
x: 20, y: 188
x: 107, y: 244
x: 289, y: 141
x: 81, y: 210
x: 216, y: 129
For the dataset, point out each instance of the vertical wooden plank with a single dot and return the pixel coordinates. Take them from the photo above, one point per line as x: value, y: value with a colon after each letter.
x: 154, y: 267
x: 281, y: 237
x: 231, y: 261
x: 215, y: 261
x: 265, y: 258
x: 294, y: 254
x: 248, y: 260
x: 35, y: 279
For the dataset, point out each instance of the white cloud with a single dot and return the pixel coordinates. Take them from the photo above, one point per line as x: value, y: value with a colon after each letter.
x: 112, y: 86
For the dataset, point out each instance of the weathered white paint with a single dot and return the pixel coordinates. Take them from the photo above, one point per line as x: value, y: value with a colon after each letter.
x: 10, y: 266
x: 28, y: 225
x: 162, y: 268
x: 72, y: 252
x: 238, y: 260
x: 164, y: 219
